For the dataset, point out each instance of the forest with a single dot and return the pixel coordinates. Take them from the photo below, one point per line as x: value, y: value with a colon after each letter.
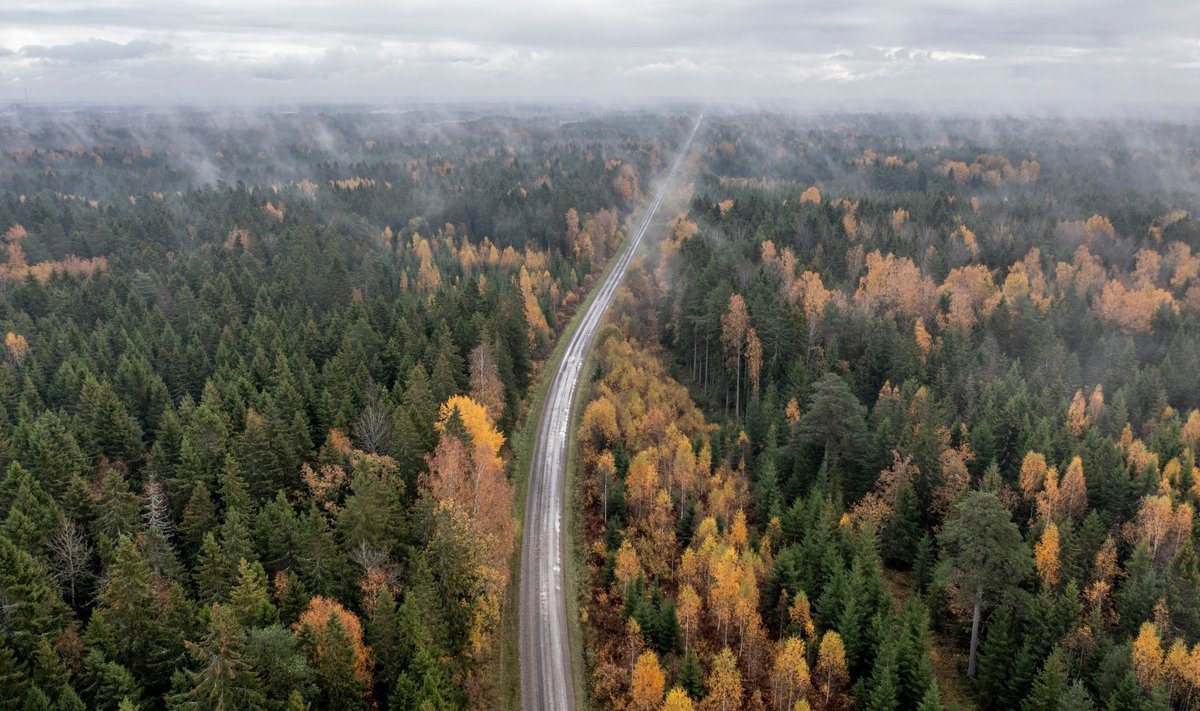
x: 894, y: 411
x: 902, y: 413
x: 261, y: 373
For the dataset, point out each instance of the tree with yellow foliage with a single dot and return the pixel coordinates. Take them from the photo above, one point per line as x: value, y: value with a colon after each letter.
x: 831, y: 676
x: 724, y: 684
x: 677, y: 700
x: 789, y: 676
x: 1147, y: 656
x: 475, y: 420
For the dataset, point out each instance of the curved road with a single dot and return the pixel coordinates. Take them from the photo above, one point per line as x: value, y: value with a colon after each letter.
x: 546, y: 681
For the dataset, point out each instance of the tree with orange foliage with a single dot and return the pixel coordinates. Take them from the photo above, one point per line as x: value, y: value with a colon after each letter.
x: 17, y: 347
x: 1077, y: 415
x: 734, y: 326
x: 1163, y: 526
x: 1046, y: 556
x: 646, y: 683
x: 1033, y: 474
x: 627, y: 568
x: 1072, y: 494
x: 1190, y: 434
x: 330, y: 631
x: 539, y: 328
x: 724, y: 684
x: 800, y: 615
x: 754, y: 359
x: 1133, y: 309
x: 811, y: 195
x: 642, y: 481
x: 475, y: 420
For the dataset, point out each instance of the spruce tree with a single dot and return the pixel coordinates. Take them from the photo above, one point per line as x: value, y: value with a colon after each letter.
x: 221, y: 679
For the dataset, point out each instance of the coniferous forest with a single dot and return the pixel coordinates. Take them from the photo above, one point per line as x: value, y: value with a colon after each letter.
x: 891, y: 412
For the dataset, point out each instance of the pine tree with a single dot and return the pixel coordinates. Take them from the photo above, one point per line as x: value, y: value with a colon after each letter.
x: 107, y: 683
x: 691, y: 676
x: 104, y: 425
x: 913, y: 663
x: 221, y: 679
x: 249, y: 601
x: 256, y: 460
x: 13, y: 681
x: 883, y: 687
x: 199, y: 517
x: 118, y: 512
x: 932, y: 700
x: 1049, y: 685
x: 983, y: 552
x: 996, y: 656
x: 333, y: 660
x: 212, y: 572
x: 129, y: 609
x: 32, y: 607
x: 281, y: 667
x: 1076, y: 698
x: 32, y: 513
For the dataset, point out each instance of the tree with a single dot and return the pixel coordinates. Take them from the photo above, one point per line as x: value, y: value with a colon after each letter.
x: 1072, y: 493
x: 734, y: 326
x: 724, y: 683
x: 789, y: 676
x: 30, y: 606
x: 646, y: 683
x: 331, y: 637
x: 486, y: 387
x: 222, y: 680
x: 106, y: 429
x: 677, y: 700
x: 1049, y: 685
x: 70, y: 558
x: 129, y: 606
x: 830, y: 676
x: 836, y: 421
x: 249, y: 601
x: 1046, y: 556
x: 983, y: 554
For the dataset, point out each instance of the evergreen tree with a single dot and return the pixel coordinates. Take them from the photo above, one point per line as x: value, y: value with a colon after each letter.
x: 1049, y: 686
x: 221, y: 680
x: 982, y: 551
x: 104, y: 425
x: 249, y: 602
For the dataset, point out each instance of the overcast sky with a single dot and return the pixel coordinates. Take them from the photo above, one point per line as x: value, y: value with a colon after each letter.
x: 1073, y: 53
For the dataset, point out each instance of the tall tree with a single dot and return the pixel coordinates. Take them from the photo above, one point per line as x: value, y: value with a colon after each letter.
x: 983, y: 555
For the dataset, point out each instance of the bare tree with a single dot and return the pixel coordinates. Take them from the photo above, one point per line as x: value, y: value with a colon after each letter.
x: 158, y: 509
x: 70, y: 555
x: 373, y: 430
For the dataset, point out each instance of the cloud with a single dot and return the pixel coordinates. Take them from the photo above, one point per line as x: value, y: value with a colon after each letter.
x: 925, y: 51
x: 94, y: 50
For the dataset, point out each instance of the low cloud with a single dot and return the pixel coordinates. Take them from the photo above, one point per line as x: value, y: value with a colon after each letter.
x: 94, y: 50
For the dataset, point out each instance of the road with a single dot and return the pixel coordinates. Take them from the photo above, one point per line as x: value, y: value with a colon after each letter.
x: 546, y: 682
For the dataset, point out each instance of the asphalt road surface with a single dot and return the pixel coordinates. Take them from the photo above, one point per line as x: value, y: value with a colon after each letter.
x: 546, y: 682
